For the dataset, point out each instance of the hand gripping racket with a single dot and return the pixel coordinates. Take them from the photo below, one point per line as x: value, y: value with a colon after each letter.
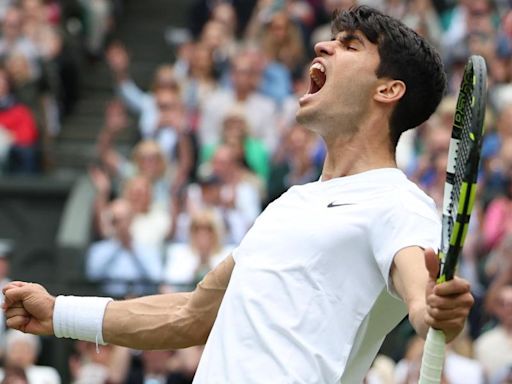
x: 459, y: 195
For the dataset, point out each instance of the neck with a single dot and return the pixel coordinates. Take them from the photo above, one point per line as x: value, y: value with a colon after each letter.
x: 360, y: 151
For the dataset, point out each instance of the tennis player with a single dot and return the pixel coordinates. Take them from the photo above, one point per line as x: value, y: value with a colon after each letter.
x: 330, y: 267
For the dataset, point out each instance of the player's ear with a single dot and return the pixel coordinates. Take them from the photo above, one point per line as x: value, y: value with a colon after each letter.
x: 390, y: 91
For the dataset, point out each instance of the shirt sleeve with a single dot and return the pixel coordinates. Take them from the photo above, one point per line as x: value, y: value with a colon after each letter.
x: 406, y: 223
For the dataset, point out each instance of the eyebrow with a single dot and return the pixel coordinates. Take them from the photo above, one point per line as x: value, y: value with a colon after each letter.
x: 348, y: 37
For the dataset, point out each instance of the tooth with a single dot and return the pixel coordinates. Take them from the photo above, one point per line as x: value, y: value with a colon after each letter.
x: 318, y: 66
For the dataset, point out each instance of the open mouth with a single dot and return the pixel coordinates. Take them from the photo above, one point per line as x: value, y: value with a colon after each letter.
x: 317, y: 78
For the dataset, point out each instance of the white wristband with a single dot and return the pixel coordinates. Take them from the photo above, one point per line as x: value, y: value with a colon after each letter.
x: 80, y: 317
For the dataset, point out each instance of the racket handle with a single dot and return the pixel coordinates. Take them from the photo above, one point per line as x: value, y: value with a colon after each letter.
x: 433, y: 357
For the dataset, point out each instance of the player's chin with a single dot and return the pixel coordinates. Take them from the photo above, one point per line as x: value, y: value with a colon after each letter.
x: 304, y: 115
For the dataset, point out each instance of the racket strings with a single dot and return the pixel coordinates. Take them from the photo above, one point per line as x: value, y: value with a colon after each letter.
x: 462, y: 157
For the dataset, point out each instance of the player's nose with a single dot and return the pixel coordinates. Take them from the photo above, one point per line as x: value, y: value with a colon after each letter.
x: 324, y: 48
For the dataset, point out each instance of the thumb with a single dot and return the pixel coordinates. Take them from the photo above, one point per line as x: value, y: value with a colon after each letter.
x: 432, y: 263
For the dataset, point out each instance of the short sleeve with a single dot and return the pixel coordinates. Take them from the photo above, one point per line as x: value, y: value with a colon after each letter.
x: 408, y: 222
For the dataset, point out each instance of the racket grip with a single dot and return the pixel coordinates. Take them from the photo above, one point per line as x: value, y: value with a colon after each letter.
x: 433, y: 357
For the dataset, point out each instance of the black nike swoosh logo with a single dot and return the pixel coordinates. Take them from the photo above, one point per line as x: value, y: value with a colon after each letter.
x: 333, y: 204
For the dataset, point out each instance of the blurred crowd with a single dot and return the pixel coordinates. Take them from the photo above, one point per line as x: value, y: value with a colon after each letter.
x: 41, y: 43
x: 218, y: 142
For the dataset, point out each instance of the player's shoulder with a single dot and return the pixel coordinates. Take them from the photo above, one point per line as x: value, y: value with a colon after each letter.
x: 411, y: 198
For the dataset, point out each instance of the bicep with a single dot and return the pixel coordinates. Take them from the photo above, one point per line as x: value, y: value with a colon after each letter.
x: 169, y: 321
x: 209, y: 293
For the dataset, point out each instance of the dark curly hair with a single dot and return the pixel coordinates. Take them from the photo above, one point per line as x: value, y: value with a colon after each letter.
x: 404, y: 55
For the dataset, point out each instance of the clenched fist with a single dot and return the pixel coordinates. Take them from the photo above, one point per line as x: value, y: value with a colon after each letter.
x: 29, y: 308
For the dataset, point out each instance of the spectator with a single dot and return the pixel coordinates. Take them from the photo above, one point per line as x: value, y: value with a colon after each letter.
x: 98, y: 16
x: 498, y: 216
x: 240, y: 189
x: 18, y: 122
x: 280, y: 38
x: 162, y: 116
x: 323, y: 31
x: 494, y: 347
x: 430, y: 172
x: 88, y: 365
x: 228, y: 189
x: 122, y: 264
x: 187, y: 263
x: 22, y: 350
x: 259, y: 110
x: 497, y: 156
x: 151, y: 223
x: 162, y: 367
x: 421, y: 16
x: 15, y: 375
x: 138, y: 102
x: 153, y: 368
x: 215, y: 36
x: 294, y: 163
x: 13, y: 41
x: 198, y: 83
x: 203, y: 10
x: 148, y: 159
x: 225, y: 13
x: 465, y: 19
x: 250, y: 151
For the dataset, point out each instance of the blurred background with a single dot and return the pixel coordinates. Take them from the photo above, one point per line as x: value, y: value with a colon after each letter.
x: 139, y: 140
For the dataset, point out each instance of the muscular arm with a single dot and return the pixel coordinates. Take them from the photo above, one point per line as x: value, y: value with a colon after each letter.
x: 152, y: 322
x: 175, y: 320
x: 444, y: 306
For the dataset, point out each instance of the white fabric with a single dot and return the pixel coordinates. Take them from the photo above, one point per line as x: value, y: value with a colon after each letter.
x: 151, y: 228
x: 80, y: 317
x: 92, y: 373
x: 124, y: 271
x: 182, y: 262
x: 37, y: 374
x: 309, y: 298
x: 494, y: 350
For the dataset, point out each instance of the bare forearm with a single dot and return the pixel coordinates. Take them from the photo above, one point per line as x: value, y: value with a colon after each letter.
x: 154, y: 322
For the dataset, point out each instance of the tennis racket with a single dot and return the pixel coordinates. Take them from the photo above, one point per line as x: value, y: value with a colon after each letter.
x: 459, y: 195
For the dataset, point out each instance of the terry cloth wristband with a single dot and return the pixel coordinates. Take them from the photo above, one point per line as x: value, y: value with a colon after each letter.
x: 80, y: 318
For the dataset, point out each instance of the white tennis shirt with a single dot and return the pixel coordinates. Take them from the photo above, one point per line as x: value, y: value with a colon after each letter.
x: 309, y: 300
